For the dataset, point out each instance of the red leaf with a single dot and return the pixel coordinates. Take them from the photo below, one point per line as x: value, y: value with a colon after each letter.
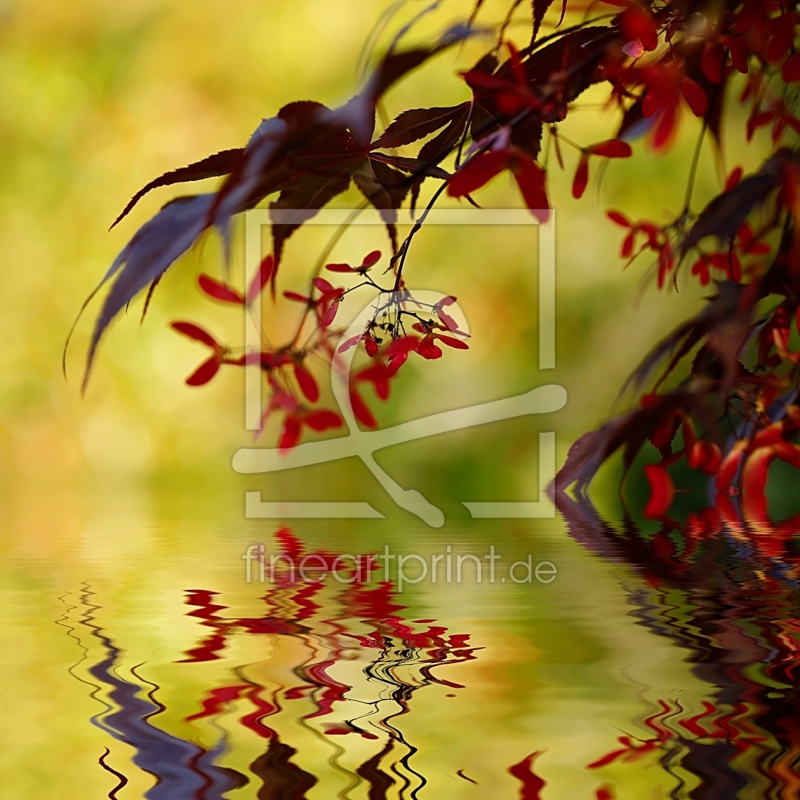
x: 326, y: 319
x: 790, y: 453
x: 477, y: 172
x: 733, y: 179
x: 395, y: 362
x: 219, y: 291
x: 791, y: 69
x: 695, y: 97
x: 458, y: 344
x: 628, y: 244
x: 298, y: 298
x: 290, y: 432
x: 666, y: 261
x: 701, y: 269
x: 780, y: 43
x: 370, y: 345
x: 373, y: 373
x: 639, y: 24
x: 581, y: 176
x: 693, y: 723
x: 428, y: 348
x: 378, y: 375
x: 361, y: 410
x: 324, y: 286
x: 662, y: 491
x: 261, y: 278
x: 665, y: 127
x: 371, y: 259
x: 712, y: 459
x: 340, y: 268
x: 323, y: 420
x: 403, y: 345
x: 194, y: 332
x: 218, y: 701
x: 532, y: 784
x: 738, y: 55
x: 290, y: 545
x: 613, y: 148
x: 619, y: 218
x: 712, y: 62
x: 530, y: 178
x: 205, y: 372
x: 308, y: 386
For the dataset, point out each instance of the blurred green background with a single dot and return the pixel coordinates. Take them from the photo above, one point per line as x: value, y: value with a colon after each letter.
x: 99, y: 97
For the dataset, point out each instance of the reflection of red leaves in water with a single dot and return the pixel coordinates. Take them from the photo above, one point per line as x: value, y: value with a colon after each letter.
x: 532, y: 784
x: 732, y: 727
x: 219, y: 700
x: 293, y: 612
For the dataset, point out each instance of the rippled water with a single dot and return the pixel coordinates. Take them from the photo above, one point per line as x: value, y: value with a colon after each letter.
x: 137, y: 661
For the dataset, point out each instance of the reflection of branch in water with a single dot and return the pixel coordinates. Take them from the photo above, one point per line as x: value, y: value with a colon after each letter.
x: 281, y: 779
x: 123, y: 781
x: 379, y: 781
x: 728, y: 595
x: 181, y: 769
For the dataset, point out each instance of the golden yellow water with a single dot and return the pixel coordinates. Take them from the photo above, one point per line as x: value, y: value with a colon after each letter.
x: 137, y: 659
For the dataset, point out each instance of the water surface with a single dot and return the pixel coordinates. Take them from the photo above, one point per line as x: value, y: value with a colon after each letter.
x: 138, y: 661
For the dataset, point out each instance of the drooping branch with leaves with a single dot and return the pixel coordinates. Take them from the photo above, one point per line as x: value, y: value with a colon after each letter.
x: 721, y: 391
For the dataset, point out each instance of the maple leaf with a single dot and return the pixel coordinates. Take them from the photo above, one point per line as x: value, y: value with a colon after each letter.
x: 215, y: 166
x: 386, y: 189
x: 630, y: 432
x: 540, y: 8
x: 154, y: 247
x: 308, y: 153
x: 557, y: 72
x: 725, y: 214
x: 416, y: 124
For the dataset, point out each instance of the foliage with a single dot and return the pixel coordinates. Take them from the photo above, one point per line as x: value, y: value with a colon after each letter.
x: 736, y: 400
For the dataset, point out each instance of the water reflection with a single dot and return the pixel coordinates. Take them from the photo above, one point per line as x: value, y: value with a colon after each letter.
x: 318, y: 684
x: 179, y: 767
x: 358, y: 623
x: 725, y: 590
